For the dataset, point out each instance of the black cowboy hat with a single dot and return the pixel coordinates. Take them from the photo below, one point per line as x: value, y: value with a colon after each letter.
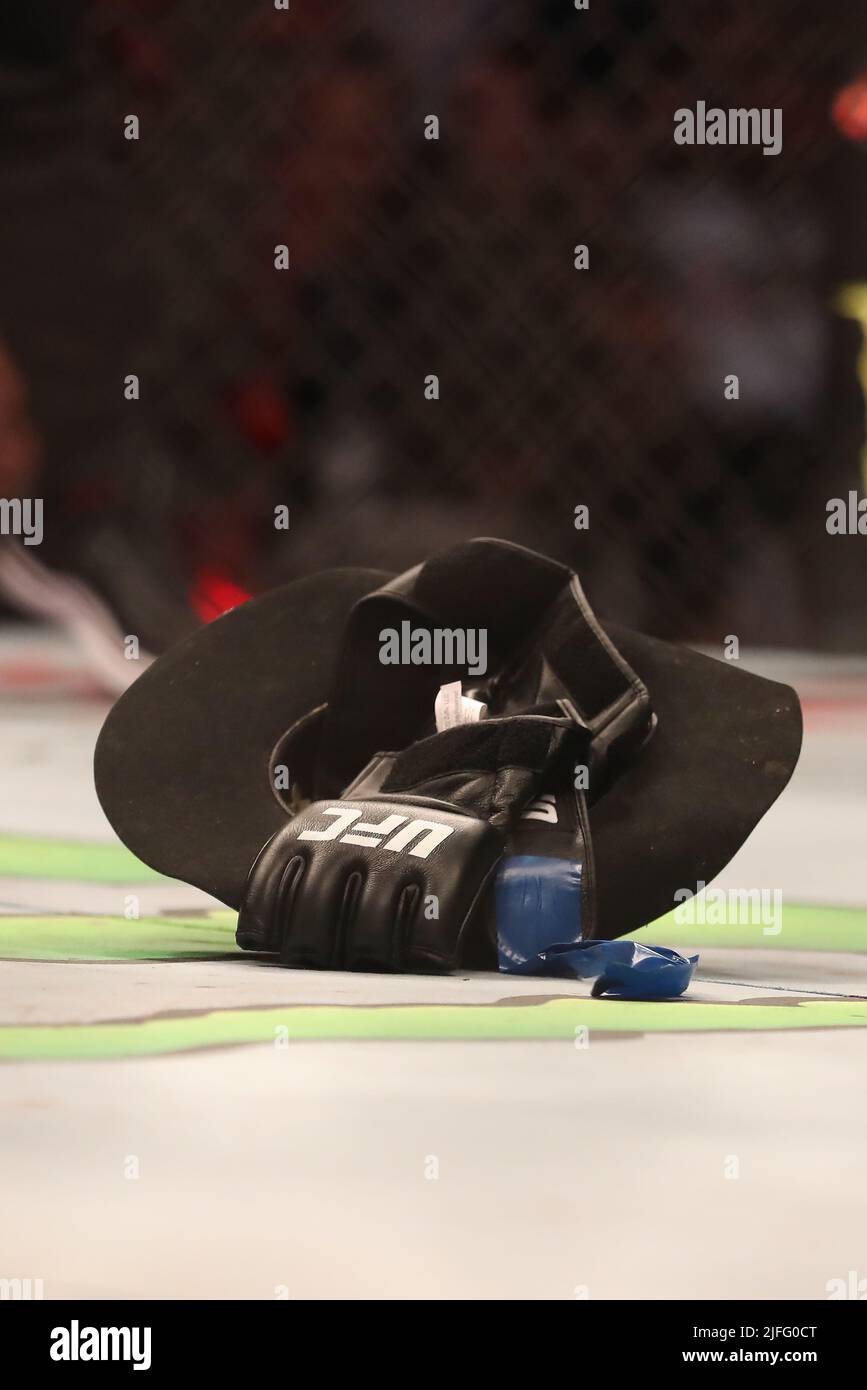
x: 285, y: 699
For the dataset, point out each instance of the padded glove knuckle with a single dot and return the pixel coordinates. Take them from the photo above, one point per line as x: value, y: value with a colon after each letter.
x: 368, y: 885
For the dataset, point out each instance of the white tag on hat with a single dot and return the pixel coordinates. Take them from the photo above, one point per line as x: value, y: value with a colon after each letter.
x: 452, y: 707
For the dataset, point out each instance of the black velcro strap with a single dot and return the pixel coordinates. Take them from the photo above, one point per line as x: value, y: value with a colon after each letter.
x: 494, y: 768
x: 605, y: 695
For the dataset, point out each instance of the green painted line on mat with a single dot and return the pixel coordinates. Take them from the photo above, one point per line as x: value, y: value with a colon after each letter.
x: 803, y: 928
x: 115, y: 938
x: 77, y: 860
x: 554, y: 1020
x: 88, y: 937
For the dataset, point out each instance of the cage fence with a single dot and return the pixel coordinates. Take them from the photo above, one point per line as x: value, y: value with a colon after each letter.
x: 454, y: 258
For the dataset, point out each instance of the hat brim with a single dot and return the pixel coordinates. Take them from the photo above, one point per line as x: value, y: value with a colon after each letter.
x: 183, y: 762
x: 725, y: 745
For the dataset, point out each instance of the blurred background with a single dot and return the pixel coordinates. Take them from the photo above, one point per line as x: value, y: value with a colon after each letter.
x: 305, y: 387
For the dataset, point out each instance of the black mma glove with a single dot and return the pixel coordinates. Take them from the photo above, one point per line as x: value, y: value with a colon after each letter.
x: 389, y: 876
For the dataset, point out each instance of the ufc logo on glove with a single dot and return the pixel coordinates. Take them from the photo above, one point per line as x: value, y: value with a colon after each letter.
x: 344, y: 885
x: 368, y: 833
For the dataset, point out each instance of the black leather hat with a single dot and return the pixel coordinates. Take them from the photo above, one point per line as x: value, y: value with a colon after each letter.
x: 286, y: 698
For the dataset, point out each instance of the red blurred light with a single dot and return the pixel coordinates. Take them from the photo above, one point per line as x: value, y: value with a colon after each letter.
x: 141, y: 57
x: 850, y: 110
x: 260, y: 413
x: 214, y: 593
